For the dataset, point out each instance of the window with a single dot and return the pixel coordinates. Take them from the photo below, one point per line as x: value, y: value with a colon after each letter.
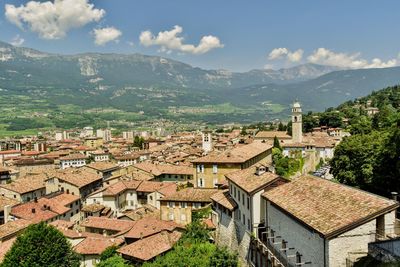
x: 215, y: 168
x: 248, y: 203
x: 234, y: 192
x: 243, y: 199
x: 196, y: 205
x: 200, y: 168
x: 201, y: 182
x: 171, y: 204
x: 238, y: 195
x: 183, y: 217
x: 244, y: 219
x: 298, y: 257
x: 171, y: 216
x: 151, y: 197
x: 215, y: 182
x: 248, y: 225
x: 183, y: 205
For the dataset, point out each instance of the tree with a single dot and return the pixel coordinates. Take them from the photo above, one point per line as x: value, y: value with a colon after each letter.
x: 276, y: 143
x: 356, y: 159
x: 41, y: 245
x: 108, y: 253
x: 223, y: 258
x: 114, y: 261
x: 138, y: 142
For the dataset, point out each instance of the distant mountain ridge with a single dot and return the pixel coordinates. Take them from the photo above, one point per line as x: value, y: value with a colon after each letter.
x: 157, y: 85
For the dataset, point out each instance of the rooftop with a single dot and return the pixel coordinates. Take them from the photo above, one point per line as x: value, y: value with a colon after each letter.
x: 26, y: 184
x: 192, y: 195
x: 103, y: 166
x: 149, y: 226
x: 223, y: 198
x: 159, y: 169
x: 152, y: 246
x: 74, y: 156
x: 238, y: 154
x: 272, y: 134
x: 78, y: 177
x: 249, y: 181
x: 11, y: 228
x: 108, y: 224
x: 96, y: 245
x: 326, y: 206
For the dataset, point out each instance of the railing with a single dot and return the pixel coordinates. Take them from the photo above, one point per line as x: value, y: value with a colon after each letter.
x: 275, y: 255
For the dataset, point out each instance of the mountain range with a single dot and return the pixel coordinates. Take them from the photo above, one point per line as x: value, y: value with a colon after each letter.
x: 153, y: 84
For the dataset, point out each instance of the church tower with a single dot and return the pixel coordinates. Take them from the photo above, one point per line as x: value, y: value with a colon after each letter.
x: 297, y: 124
x: 207, y: 141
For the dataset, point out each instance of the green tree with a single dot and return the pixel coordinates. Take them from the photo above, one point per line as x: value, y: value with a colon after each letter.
x: 108, y: 253
x: 114, y: 261
x: 276, y: 143
x: 41, y: 245
x: 223, y: 258
x: 138, y: 142
x: 356, y: 159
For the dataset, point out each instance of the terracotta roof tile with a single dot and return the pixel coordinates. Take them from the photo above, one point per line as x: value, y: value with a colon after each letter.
x: 223, y: 198
x: 159, y: 169
x: 108, y: 224
x: 150, y: 226
x: 324, y: 205
x: 238, y: 154
x: 272, y: 134
x: 13, y: 227
x: 96, y: 245
x: 191, y: 194
x: 78, y: 177
x: 152, y: 246
x: 27, y: 184
x: 249, y: 181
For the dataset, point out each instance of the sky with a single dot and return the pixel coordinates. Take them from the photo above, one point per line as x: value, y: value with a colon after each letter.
x: 233, y: 35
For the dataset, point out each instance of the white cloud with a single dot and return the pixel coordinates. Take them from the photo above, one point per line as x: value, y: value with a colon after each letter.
x: 17, y: 40
x: 170, y: 40
x: 327, y: 57
x: 52, y: 20
x: 282, y: 52
x: 105, y: 35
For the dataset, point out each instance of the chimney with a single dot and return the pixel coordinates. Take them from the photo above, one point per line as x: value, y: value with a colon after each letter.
x: 35, y: 199
x: 260, y: 170
x: 33, y: 210
x: 7, y: 211
x: 394, y: 195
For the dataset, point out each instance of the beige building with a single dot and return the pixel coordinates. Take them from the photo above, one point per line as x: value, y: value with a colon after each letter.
x: 210, y: 170
x: 178, y: 207
x: 26, y: 188
x: 94, y: 142
x: 79, y: 182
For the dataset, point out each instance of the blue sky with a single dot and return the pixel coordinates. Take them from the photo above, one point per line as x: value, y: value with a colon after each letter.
x: 242, y: 34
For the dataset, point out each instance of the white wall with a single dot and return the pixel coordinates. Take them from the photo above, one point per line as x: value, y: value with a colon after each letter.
x: 354, y: 241
x: 305, y: 241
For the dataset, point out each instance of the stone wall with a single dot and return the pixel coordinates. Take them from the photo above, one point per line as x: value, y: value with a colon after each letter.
x: 233, y: 235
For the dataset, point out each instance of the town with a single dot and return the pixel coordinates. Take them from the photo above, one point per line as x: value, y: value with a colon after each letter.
x: 140, y: 193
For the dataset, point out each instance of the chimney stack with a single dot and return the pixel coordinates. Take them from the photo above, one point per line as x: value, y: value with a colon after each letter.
x: 7, y: 211
x: 394, y: 195
x: 33, y: 210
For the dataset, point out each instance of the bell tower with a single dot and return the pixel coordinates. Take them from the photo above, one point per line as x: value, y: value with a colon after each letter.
x: 297, y: 123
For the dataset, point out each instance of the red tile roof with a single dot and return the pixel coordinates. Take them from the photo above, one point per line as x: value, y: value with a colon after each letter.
x: 150, y: 226
x: 152, y: 246
x: 108, y: 224
x: 96, y: 245
x: 326, y: 206
x: 237, y: 155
